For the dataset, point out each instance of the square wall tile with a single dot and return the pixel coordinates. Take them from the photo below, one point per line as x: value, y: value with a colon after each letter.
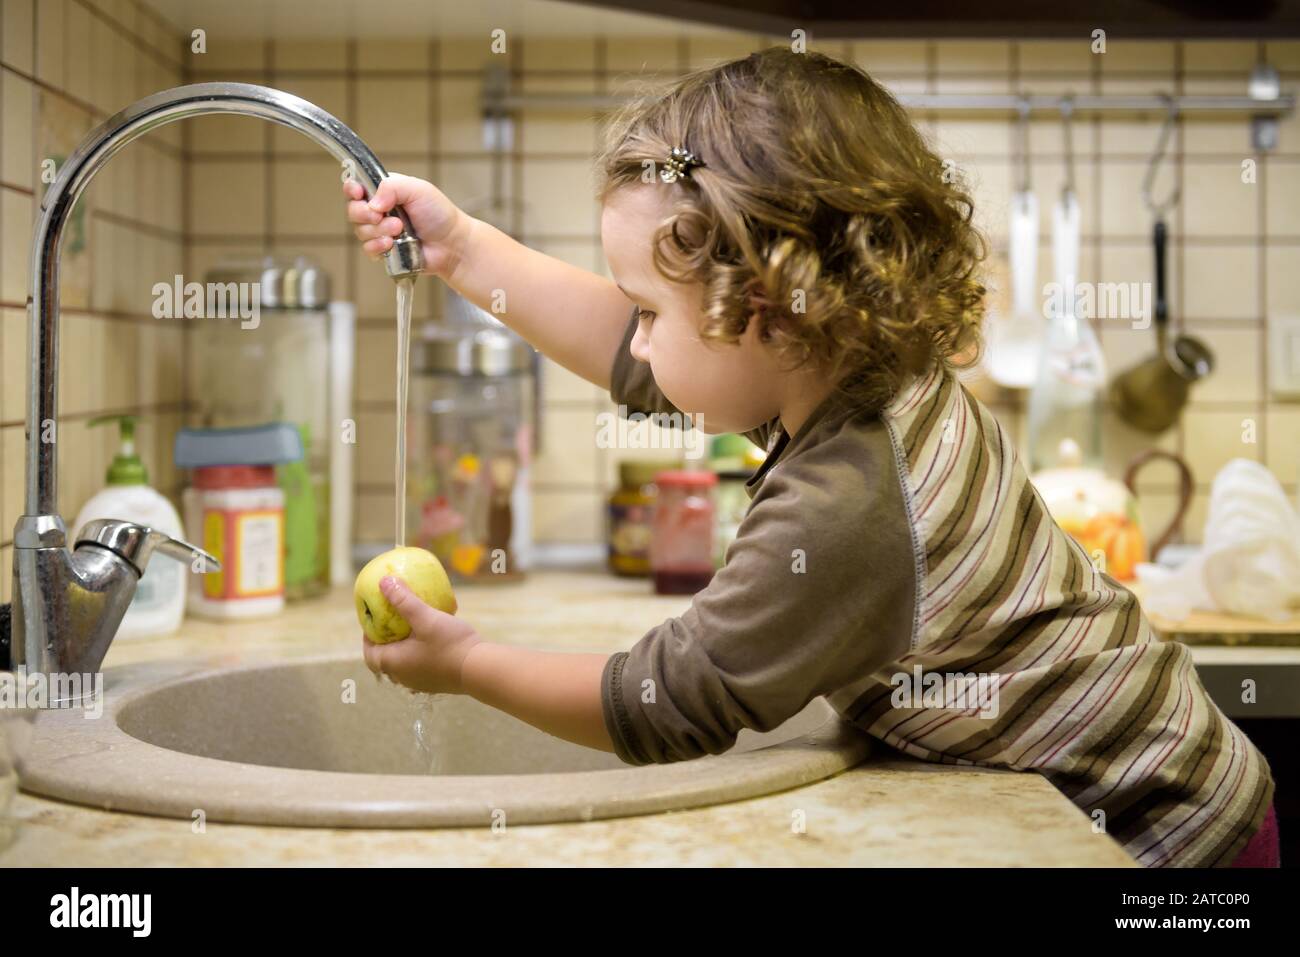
x: 209, y: 135
x: 228, y: 197
x: 376, y: 358
x: 15, y: 244
x: 77, y: 77
x: 1281, y: 184
x: 309, y: 54
x: 50, y: 41
x: 636, y: 54
x: 1238, y: 365
x: 470, y: 53
x: 1124, y: 55
x: 393, y: 114
x: 568, y: 517
x: 1283, y: 441
x: 13, y: 353
x: 558, y: 130
x: 1214, y: 438
x: 376, y: 446
x: 559, y: 385
x: 17, y: 153
x: 375, y: 515
x: 18, y: 24
x: 307, y: 198
x: 1283, y: 293
x: 569, y: 454
x: 388, y: 54
x: 972, y: 56
x: 1221, y: 282
x: 547, y: 53
x: 227, y: 55
x: 1220, y: 56
x: 1216, y: 202
x: 560, y: 197
x: 460, y: 124
x: 706, y: 50
x: 1056, y: 56
x: 890, y: 56
x: 14, y: 462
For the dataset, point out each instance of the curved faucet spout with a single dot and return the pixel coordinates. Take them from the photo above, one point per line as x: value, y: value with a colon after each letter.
x: 246, y: 99
x: 67, y: 604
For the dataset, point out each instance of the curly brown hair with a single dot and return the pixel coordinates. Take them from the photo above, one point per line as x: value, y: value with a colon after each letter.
x: 820, y: 209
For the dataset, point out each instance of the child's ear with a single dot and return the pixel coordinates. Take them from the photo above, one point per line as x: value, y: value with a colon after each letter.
x: 758, y: 318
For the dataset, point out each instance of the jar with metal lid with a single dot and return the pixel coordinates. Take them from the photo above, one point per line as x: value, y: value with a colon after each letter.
x: 631, y: 515
x: 470, y: 441
x: 266, y: 349
x: 681, y: 549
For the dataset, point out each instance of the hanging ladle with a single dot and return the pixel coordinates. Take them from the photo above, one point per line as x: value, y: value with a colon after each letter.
x: 1151, y: 395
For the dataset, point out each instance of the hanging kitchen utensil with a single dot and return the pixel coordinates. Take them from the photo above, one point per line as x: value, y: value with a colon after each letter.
x: 1151, y: 394
x: 1066, y: 217
x: 1014, y: 342
x: 1066, y: 401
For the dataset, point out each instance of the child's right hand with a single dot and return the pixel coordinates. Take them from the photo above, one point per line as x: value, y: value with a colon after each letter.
x: 442, y: 227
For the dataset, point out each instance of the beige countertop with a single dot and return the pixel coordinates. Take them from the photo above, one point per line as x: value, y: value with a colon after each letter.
x: 889, y: 810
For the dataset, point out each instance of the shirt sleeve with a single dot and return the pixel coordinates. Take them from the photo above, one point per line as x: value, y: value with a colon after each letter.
x: 632, y: 386
x: 818, y: 592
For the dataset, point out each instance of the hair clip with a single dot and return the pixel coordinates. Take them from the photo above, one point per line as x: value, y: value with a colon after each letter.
x: 680, y: 163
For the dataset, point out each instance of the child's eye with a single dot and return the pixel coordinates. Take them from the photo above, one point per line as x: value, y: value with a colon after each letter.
x: 644, y: 315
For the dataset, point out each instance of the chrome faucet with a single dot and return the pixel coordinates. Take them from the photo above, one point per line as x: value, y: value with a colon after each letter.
x: 68, y: 604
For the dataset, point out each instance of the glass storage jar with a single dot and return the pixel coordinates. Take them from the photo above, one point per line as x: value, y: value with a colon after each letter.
x: 681, y: 549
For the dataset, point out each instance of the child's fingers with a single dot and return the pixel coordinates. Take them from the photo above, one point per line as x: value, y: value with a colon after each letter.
x: 389, y: 227
x: 398, y: 190
x: 359, y: 211
x: 377, y: 247
x: 420, y: 616
x: 353, y: 190
x: 373, y: 655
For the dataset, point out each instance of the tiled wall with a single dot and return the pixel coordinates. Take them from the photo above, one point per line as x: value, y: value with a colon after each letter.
x: 65, y: 65
x: 217, y: 186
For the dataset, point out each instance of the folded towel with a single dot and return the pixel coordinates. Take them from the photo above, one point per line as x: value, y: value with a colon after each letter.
x: 1250, y: 561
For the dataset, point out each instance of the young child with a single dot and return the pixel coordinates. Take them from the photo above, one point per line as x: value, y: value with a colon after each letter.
x: 799, y: 268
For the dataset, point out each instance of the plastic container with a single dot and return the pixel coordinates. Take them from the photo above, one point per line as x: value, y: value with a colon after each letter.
x: 239, y: 511
x: 681, y: 549
x: 159, y: 601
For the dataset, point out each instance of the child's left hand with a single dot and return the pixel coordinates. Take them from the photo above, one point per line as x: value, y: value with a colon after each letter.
x: 430, y: 659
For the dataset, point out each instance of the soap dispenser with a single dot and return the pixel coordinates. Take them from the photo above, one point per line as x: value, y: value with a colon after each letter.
x: 159, y: 601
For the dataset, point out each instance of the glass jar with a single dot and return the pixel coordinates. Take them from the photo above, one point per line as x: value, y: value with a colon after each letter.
x: 631, y: 514
x: 470, y: 441
x: 274, y: 367
x: 681, y: 548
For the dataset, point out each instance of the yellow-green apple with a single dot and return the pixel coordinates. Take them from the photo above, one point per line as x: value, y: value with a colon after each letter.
x: 423, y: 574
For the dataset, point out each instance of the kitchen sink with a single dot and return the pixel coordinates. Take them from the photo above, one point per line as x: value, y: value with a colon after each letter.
x: 321, y: 742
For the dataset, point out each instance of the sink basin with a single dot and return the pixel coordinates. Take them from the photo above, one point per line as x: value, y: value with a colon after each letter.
x: 321, y: 742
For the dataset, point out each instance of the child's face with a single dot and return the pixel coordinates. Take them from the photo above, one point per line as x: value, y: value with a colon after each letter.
x: 736, y: 386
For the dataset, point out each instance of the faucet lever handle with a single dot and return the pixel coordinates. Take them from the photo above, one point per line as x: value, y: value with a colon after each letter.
x: 136, y: 543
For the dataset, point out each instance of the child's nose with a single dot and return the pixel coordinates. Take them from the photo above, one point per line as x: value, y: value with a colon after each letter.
x: 640, y: 345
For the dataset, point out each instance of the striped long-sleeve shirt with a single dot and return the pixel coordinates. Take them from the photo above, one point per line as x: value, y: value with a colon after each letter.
x: 901, y: 563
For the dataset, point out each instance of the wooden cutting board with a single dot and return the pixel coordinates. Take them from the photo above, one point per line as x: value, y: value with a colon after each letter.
x: 1217, y: 628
